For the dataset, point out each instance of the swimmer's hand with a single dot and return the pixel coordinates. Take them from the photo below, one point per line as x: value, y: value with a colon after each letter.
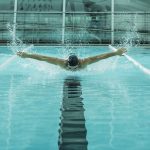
x: 120, y: 51
x: 22, y: 54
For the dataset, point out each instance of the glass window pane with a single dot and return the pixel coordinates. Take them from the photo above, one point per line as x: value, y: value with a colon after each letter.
x: 88, y: 5
x: 40, y: 5
x: 7, y: 5
x: 5, y: 18
x: 132, y: 5
x: 39, y: 28
x: 82, y: 28
x: 132, y: 28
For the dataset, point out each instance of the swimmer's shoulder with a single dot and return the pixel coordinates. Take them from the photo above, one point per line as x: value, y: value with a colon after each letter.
x: 82, y: 65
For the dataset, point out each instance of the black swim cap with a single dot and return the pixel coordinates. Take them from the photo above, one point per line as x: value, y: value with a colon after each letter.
x: 73, y: 60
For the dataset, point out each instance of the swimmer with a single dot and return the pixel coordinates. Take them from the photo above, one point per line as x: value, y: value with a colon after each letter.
x: 73, y: 63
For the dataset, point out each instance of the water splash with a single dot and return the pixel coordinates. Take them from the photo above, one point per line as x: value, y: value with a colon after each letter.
x: 14, y: 45
x: 131, y: 37
x: 68, y: 49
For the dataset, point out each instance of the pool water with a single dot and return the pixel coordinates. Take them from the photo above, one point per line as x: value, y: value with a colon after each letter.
x: 106, y: 106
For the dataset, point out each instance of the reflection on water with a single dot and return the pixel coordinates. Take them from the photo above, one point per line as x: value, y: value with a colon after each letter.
x: 72, y: 132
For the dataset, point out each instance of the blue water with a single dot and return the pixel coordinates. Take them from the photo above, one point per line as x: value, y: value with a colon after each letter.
x: 106, y: 106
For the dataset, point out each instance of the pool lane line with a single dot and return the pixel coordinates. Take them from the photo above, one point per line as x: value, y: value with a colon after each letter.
x: 72, y: 131
x: 134, y: 62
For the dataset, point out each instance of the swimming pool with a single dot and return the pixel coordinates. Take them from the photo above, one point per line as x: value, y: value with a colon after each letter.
x: 106, y: 106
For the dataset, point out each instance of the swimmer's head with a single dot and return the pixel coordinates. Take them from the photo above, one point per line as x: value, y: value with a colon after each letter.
x: 73, y: 61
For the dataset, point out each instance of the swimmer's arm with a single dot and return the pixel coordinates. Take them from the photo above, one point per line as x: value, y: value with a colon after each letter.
x: 52, y: 60
x: 97, y: 58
